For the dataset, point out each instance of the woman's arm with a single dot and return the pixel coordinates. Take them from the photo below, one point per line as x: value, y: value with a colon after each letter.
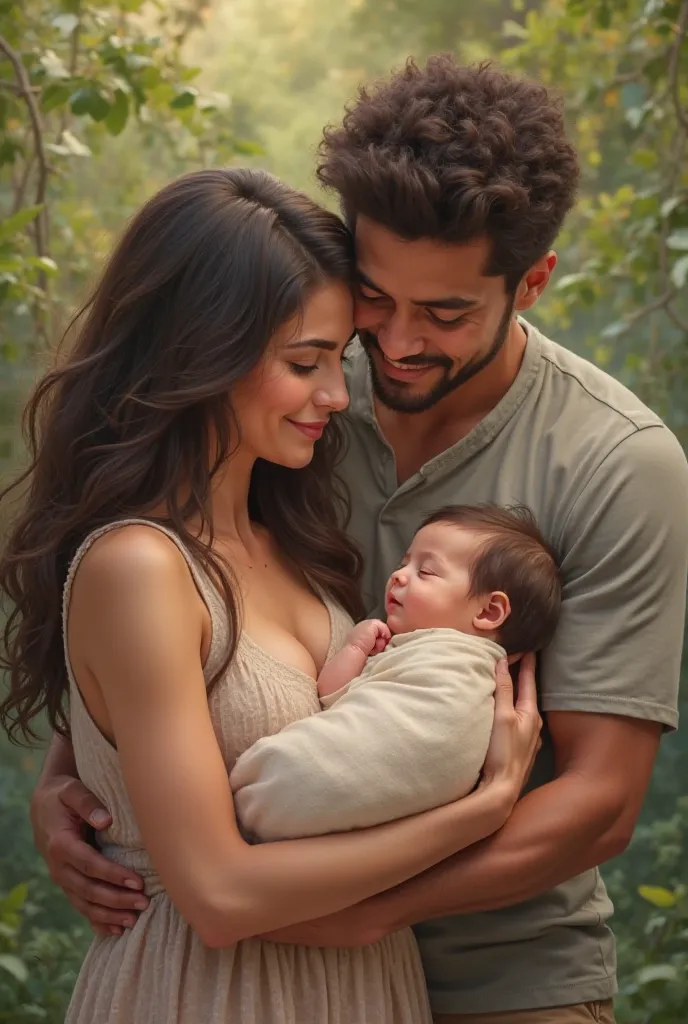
x: 137, y: 620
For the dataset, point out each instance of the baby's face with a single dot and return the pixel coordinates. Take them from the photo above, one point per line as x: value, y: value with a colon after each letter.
x: 430, y: 588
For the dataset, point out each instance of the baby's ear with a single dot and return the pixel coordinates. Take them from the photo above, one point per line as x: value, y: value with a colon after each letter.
x: 494, y: 611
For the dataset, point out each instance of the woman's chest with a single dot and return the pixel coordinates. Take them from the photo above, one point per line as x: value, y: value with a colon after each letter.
x: 283, y: 615
x: 258, y: 697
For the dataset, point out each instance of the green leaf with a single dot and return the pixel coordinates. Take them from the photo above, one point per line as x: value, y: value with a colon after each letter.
x: 54, y: 67
x: 150, y: 77
x: 54, y: 147
x: 90, y: 100
x: 54, y: 95
x: 613, y: 331
x: 65, y: 23
x: 570, y: 281
x: 186, y: 98
x: 13, y: 225
x: 603, y: 16
x: 246, y: 148
x: 136, y: 61
x: 635, y: 116
x: 678, y: 239
x: 669, y: 205
x: 16, y: 897
x: 656, y: 972
x: 14, y: 966
x: 657, y: 896
x: 512, y: 30
x: 44, y: 263
x: 119, y: 113
x: 73, y: 145
x: 679, y: 272
x: 645, y: 158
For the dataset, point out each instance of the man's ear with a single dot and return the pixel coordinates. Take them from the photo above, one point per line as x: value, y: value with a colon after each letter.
x: 495, y: 610
x: 533, y: 284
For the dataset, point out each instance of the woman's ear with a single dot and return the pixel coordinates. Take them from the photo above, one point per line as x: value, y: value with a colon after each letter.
x: 495, y: 610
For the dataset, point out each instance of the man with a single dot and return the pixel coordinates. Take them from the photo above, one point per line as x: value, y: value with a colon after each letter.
x: 455, y: 182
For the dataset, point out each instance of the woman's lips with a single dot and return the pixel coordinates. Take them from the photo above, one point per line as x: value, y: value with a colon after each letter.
x: 311, y: 430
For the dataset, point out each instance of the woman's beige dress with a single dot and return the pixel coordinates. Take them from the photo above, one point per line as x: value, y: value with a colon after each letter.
x: 159, y: 972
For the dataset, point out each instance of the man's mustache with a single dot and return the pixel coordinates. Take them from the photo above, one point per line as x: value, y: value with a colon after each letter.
x: 369, y: 341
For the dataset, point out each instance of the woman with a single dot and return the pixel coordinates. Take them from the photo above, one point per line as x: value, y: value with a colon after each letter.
x: 181, y: 527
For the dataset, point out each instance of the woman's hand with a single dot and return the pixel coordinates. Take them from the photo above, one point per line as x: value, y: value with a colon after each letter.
x: 516, y: 732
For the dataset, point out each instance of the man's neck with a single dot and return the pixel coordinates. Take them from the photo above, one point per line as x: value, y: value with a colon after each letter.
x: 418, y: 437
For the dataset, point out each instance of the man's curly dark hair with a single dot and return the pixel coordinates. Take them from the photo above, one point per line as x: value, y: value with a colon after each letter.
x: 455, y: 153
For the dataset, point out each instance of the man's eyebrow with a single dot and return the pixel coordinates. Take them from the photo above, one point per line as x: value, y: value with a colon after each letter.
x: 323, y: 343
x: 448, y: 302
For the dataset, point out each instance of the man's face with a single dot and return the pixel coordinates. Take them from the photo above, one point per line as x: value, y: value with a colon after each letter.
x: 426, y: 314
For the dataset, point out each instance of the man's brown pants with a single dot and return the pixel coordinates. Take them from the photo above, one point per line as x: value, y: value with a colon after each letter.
x: 581, y: 1013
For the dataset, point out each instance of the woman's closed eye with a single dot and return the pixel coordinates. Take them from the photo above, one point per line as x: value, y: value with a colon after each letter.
x: 303, y: 369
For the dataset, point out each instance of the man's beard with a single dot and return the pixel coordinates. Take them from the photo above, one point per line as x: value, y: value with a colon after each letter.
x: 393, y: 394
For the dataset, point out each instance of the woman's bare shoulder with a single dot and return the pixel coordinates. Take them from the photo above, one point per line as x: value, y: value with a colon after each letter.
x: 132, y: 559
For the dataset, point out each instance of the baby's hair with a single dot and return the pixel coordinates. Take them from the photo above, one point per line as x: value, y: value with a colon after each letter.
x: 516, y: 559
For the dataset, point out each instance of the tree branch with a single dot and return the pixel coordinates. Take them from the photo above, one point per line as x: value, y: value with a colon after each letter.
x: 26, y: 92
x: 674, y: 65
x: 73, y: 62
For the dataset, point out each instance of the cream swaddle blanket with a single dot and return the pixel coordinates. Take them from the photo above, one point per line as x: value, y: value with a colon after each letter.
x: 408, y: 734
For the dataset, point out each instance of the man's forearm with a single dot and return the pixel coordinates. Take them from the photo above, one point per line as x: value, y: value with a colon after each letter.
x: 554, y: 833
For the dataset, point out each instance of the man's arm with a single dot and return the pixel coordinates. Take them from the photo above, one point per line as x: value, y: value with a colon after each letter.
x: 583, y: 818
x: 580, y: 820
x: 61, y: 811
x: 609, y: 683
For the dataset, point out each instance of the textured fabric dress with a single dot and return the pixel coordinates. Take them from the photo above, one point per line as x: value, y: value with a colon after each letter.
x: 159, y: 972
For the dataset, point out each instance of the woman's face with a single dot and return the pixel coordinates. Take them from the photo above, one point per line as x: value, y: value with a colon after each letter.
x: 284, y: 404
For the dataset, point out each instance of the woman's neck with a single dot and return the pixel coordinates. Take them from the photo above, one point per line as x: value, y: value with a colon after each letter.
x: 229, y: 499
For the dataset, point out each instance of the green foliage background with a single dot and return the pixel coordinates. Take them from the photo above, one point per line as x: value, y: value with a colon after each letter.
x: 100, y: 103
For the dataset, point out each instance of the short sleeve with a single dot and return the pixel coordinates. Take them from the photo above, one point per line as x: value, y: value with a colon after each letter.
x: 617, y: 649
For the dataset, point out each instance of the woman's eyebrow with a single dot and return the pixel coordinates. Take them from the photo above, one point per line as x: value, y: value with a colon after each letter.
x: 323, y: 343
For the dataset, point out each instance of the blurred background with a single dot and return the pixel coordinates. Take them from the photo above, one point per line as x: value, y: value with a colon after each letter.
x: 101, y: 103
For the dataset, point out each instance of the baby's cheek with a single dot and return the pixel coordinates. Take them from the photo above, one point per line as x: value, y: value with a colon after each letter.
x: 422, y: 610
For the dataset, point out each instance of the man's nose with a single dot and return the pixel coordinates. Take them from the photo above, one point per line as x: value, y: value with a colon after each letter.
x: 398, y: 337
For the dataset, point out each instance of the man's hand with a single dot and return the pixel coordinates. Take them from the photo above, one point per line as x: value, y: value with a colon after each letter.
x: 370, y: 636
x: 107, y: 894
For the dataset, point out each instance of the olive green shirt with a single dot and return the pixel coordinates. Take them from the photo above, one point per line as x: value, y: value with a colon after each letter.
x: 608, y: 483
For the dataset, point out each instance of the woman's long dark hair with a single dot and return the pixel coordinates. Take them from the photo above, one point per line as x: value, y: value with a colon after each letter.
x: 204, y: 275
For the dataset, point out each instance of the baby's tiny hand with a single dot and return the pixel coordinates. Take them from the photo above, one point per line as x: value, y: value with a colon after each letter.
x: 370, y: 636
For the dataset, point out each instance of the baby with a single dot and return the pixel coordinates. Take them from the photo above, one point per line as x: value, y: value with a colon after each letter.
x: 409, y: 704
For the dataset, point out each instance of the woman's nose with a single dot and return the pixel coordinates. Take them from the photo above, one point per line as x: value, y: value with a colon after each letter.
x: 334, y: 398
